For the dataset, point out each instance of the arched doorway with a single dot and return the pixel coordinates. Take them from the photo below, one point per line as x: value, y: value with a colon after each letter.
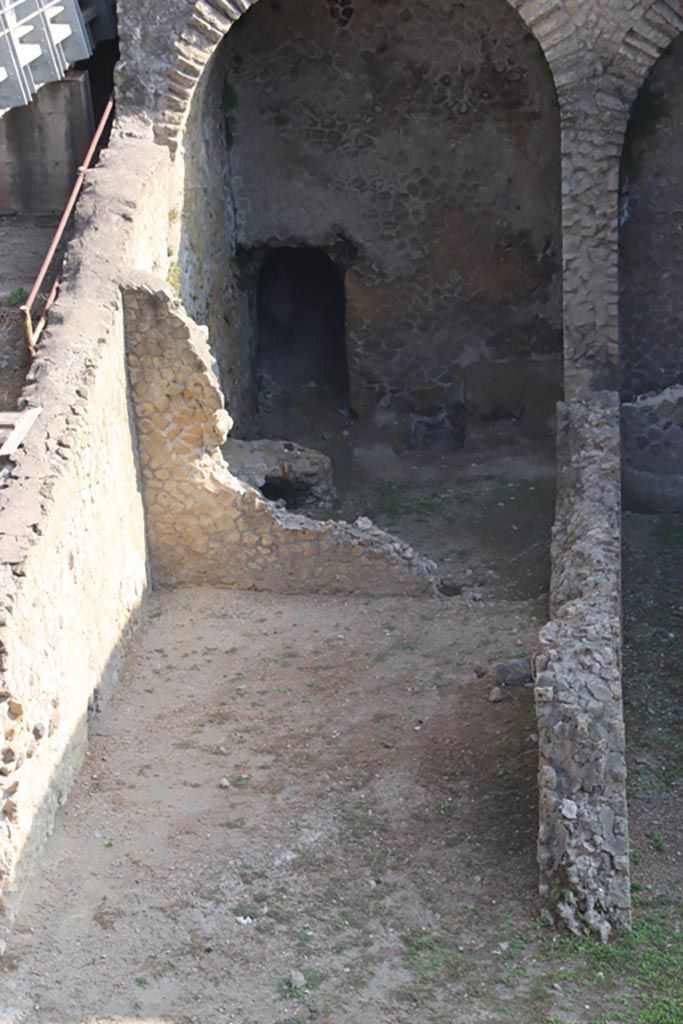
x: 425, y: 142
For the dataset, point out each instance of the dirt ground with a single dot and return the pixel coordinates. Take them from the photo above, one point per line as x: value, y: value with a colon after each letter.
x: 285, y: 786
x: 307, y: 809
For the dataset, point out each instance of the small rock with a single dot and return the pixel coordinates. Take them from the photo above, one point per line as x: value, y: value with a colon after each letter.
x: 479, y: 671
x: 296, y: 979
x: 516, y: 672
x: 224, y: 784
x: 496, y: 695
x: 16, y: 708
x: 569, y: 810
x: 39, y: 730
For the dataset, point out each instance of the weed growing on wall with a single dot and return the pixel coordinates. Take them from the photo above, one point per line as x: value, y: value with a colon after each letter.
x: 174, y: 278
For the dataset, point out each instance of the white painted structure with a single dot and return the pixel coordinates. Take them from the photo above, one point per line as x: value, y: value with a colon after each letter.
x: 40, y: 39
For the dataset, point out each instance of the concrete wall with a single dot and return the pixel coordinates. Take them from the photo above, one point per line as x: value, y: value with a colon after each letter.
x: 42, y: 146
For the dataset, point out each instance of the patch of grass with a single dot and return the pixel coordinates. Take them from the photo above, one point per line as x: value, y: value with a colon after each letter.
x: 648, y: 961
x: 17, y: 297
x: 658, y: 841
x: 431, y: 957
x: 313, y: 979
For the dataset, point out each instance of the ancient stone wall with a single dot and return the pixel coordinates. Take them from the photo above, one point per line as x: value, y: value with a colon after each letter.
x: 205, y: 526
x: 583, y: 826
x: 420, y: 146
x: 652, y: 451
x: 73, y: 550
x: 204, y: 237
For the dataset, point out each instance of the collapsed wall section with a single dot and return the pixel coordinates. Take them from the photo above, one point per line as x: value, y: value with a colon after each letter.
x: 205, y: 526
x: 583, y: 829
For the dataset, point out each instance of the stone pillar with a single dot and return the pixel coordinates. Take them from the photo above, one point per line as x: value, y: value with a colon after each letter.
x: 593, y: 127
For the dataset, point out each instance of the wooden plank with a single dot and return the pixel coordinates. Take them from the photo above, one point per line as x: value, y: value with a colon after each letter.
x: 14, y: 426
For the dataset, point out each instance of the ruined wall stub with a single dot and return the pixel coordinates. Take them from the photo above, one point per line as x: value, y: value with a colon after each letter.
x: 583, y: 819
x: 204, y: 525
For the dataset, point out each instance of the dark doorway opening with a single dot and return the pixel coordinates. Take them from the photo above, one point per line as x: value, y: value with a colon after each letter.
x: 301, y: 312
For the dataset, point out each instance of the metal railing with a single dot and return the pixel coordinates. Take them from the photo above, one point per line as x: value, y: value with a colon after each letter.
x: 32, y: 333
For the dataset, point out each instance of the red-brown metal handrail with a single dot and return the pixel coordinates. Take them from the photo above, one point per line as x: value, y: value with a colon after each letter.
x: 31, y: 333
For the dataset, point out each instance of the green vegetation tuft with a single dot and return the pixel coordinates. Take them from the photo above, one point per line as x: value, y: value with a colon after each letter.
x: 17, y: 297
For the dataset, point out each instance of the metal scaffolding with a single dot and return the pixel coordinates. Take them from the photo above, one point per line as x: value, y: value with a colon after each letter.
x: 40, y: 39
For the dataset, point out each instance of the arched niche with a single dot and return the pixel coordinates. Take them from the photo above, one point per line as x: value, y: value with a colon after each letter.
x: 651, y: 285
x: 416, y: 144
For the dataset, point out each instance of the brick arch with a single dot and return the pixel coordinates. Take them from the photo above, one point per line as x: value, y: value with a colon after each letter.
x: 644, y: 42
x: 209, y: 21
x: 556, y: 33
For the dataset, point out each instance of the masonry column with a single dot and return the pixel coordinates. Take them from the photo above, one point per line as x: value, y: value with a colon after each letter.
x: 593, y: 127
x: 583, y: 819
